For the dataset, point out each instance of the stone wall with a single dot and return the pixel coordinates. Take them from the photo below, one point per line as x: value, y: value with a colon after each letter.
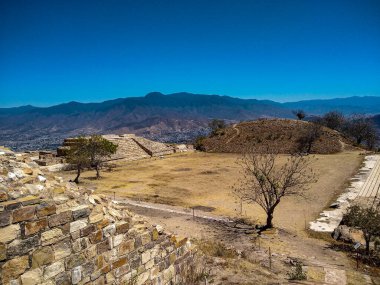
x: 76, y: 237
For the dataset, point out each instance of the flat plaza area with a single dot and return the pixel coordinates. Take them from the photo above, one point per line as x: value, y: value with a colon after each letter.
x: 207, y: 180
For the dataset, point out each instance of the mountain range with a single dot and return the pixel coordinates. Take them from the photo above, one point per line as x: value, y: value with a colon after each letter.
x: 175, y: 117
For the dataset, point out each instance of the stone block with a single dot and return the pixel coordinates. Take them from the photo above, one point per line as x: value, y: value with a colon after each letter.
x: 103, y: 246
x: 42, y: 256
x: 23, y: 214
x: 122, y: 227
x: 21, y: 247
x: 145, y: 257
x: 60, y: 219
x: 146, y: 238
x: 52, y: 236
x: 95, y: 217
x: 11, y: 205
x: 3, y: 252
x: 77, y: 225
x: 30, y: 228
x: 46, y: 209
x: 29, y: 200
x: 13, y: 268
x: 87, y: 230
x: 119, y: 263
x: 62, y: 249
x: 126, y: 246
x: 118, y: 239
x: 32, y: 277
x: 5, y: 218
x: 80, y: 212
x: 9, y: 233
x: 76, y: 275
x: 103, y: 223
x: 63, y: 278
x: 96, y: 237
x: 53, y: 270
x: 142, y: 278
x: 109, y: 230
x: 87, y: 269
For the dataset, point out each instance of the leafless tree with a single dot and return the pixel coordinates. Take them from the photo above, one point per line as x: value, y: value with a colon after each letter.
x: 361, y: 129
x: 266, y: 180
x: 310, y: 133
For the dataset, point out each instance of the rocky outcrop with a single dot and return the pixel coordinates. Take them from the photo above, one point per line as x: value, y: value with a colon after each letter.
x: 52, y: 232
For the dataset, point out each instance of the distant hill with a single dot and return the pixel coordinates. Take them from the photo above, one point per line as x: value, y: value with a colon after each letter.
x: 177, y: 117
x: 369, y: 105
x: 280, y: 134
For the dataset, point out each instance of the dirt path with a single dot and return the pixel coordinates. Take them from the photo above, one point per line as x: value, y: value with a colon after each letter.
x: 234, y: 136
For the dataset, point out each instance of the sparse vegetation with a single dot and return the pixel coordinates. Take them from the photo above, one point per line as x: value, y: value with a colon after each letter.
x: 310, y: 133
x: 365, y: 218
x: 265, y: 182
x: 297, y: 273
x: 362, y: 130
x: 90, y: 152
x: 300, y: 114
x: 216, y: 126
x: 334, y: 120
x: 198, y: 143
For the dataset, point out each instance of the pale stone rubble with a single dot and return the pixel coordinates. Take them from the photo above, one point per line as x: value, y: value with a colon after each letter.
x: 54, y: 232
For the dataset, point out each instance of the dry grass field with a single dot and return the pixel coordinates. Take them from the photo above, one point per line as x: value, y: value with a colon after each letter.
x: 206, y: 179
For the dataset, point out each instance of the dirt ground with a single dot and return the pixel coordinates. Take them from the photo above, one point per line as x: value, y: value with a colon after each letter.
x: 207, y: 179
x: 203, y: 179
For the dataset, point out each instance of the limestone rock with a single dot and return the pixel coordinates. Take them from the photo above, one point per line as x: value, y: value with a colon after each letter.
x: 13, y: 268
x: 77, y: 225
x: 42, y: 256
x: 32, y: 277
x: 9, y: 233
x: 53, y: 270
x: 76, y: 275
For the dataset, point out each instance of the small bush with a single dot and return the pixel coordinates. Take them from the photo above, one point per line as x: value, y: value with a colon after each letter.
x: 297, y: 273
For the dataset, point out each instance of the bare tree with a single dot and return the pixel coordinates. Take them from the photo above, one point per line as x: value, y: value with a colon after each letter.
x: 361, y: 128
x: 300, y: 114
x: 334, y: 120
x: 266, y: 180
x: 310, y: 133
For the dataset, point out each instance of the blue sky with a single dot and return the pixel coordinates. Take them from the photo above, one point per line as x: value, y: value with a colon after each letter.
x: 61, y: 50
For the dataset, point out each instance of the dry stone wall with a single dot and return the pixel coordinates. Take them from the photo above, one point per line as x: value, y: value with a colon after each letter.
x: 72, y: 236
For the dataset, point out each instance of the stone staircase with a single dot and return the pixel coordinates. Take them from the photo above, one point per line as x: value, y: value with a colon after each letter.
x: 127, y: 149
x: 130, y: 147
x: 153, y: 148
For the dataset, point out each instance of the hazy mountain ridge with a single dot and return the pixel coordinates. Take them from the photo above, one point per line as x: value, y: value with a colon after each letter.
x: 175, y: 117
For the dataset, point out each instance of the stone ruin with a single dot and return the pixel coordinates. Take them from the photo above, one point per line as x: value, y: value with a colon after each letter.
x: 130, y: 147
x: 54, y: 232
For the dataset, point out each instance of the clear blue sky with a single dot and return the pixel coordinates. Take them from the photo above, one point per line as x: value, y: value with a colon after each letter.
x: 61, y: 50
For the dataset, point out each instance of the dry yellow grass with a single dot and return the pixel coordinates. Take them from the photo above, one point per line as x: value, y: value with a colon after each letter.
x: 206, y: 179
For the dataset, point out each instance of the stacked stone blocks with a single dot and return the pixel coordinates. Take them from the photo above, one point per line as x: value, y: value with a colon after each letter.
x: 43, y: 241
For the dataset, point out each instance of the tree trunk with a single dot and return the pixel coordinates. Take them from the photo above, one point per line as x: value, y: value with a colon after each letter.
x: 97, y: 171
x: 269, y: 223
x: 367, y: 241
x: 76, y: 180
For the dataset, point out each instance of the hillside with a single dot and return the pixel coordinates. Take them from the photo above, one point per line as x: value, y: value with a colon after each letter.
x: 280, y: 134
